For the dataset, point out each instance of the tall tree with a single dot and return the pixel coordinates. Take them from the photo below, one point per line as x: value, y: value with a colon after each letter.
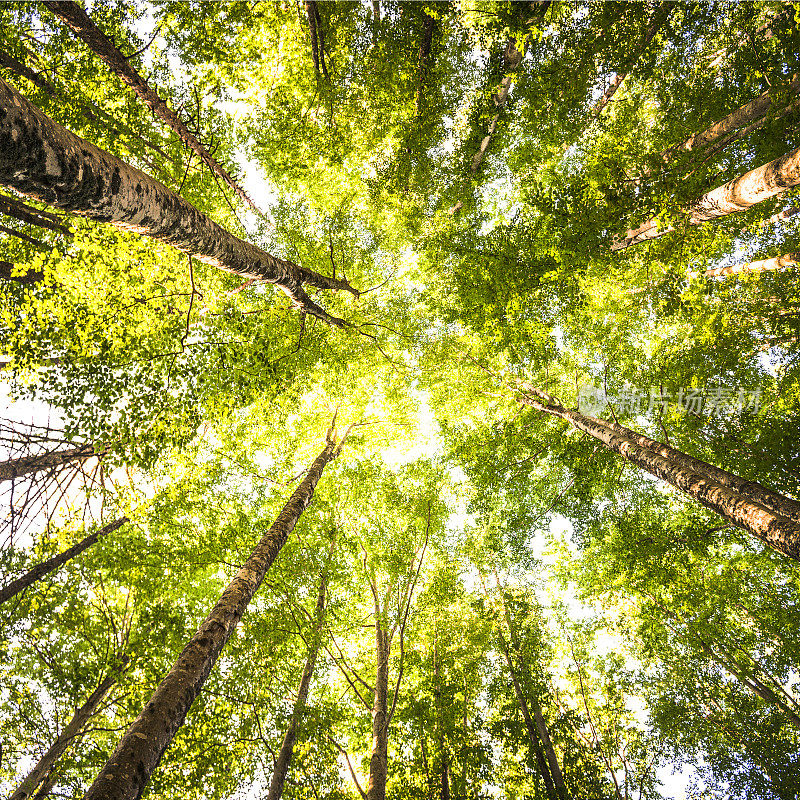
x: 82, y: 25
x: 38, y: 776
x: 284, y: 758
x: 768, y: 515
x: 737, y: 195
x: 128, y: 770
x: 63, y: 170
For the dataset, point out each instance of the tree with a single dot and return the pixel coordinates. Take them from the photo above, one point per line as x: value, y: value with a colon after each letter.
x: 138, y: 753
x: 737, y: 195
x: 133, y: 201
x: 45, y: 567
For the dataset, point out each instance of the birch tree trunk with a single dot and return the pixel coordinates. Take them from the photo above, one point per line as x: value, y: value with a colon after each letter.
x: 743, y: 116
x: 17, y: 467
x: 379, y: 760
x: 79, y: 22
x: 90, y: 111
x: 127, y: 772
x: 771, y: 517
x: 737, y: 195
x: 284, y: 758
x: 45, y: 765
x: 52, y: 564
x: 40, y: 159
x: 778, y: 262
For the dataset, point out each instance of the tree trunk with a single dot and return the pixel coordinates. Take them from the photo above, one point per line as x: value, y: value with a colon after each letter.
x: 312, y: 29
x: 444, y: 780
x: 284, y: 758
x: 29, y: 277
x: 741, y: 117
x: 42, y: 160
x: 51, y: 564
x: 127, y: 772
x: 533, y: 735
x: 658, y: 18
x: 17, y: 467
x: 778, y: 262
x: 78, y: 21
x: 44, y: 767
x: 379, y: 760
x: 739, y: 194
x: 512, y: 59
x: 727, y: 494
x: 38, y: 243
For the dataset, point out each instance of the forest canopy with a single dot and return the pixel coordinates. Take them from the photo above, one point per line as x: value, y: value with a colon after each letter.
x: 402, y: 400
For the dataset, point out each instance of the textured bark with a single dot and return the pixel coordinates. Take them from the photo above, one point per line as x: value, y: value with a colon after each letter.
x: 379, y: 760
x: 780, y: 504
x: 533, y: 734
x: 52, y: 564
x: 741, y: 117
x: 284, y: 758
x: 17, y: 467
x: 701, y: 481
x: 737, y: 195
x: 657, y: 19
x: 44, y: 767
x: 127, y: 772
x: 29, y: 277
x: 42, y: 160
x: 78, y: 21
x: 778, y: 262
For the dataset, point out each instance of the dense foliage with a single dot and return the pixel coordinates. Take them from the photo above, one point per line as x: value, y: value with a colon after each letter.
x: 550, y: 621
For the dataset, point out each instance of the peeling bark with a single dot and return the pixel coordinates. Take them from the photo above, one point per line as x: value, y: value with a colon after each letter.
x: 52, y: 564
x: 44, y: 767
x: 127, y: 772
x: 42, y: 160
x: 742, y: 193
x: 79, y: 22
x: 732, y: 499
